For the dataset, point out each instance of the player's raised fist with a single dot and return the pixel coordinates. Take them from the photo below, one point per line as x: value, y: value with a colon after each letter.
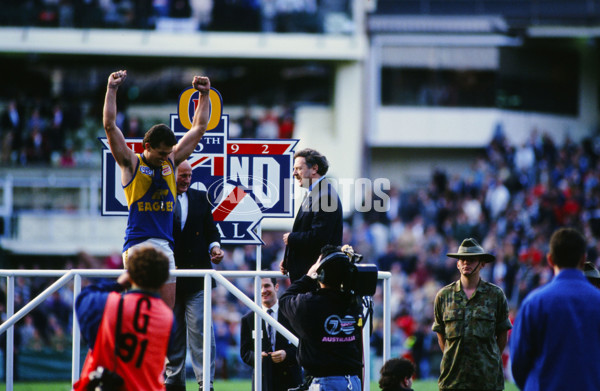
x: 117, y: 78
x: 202, y: 84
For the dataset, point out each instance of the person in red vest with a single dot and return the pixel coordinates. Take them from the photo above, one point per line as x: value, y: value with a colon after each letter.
x: 131, y: 315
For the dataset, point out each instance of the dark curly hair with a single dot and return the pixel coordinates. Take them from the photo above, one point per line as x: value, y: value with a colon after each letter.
x: 148, y: 267
x: 313, y: 157
x: 160, y: 133
x: 394, y: 371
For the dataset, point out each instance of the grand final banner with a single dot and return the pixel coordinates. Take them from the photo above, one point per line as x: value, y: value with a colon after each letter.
x: 246, y: 179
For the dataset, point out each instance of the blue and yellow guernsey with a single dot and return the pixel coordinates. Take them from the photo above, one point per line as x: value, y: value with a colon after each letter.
x: 150, y: 198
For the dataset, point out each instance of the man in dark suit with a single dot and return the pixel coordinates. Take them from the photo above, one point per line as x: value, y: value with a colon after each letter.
x: 319, y: 220
x: 197, y: 244
x: 280, y: 369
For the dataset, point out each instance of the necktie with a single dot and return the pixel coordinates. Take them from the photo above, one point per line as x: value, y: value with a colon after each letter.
x: 270, y: 331
x: 178, y: 213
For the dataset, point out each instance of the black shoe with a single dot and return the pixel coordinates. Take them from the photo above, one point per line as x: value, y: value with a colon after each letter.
x: 174, y: 387
x: 202, y: 388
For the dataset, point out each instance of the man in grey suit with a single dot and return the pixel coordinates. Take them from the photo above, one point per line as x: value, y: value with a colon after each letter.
x: 197, y: 244
x: 319, y: 220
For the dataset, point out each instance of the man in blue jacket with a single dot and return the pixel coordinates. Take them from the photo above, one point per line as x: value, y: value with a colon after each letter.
x: 555, y: 342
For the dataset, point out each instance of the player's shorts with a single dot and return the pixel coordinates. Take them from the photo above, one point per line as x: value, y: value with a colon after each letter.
x: 159, y: 244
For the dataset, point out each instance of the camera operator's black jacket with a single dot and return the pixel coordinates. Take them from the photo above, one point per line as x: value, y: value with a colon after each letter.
x: 328, y: 324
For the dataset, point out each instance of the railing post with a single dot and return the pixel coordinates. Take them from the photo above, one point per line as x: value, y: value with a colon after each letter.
x: 366, y: 335
x: 387, y: 319
x: 257, y: 319
x: 10, y: 334
x: 76, y: 334
x: 257, y: 338
x: 207, y: 337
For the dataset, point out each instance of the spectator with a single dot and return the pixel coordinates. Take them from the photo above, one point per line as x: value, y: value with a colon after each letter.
x: 280, y: 369
x: 27, y: 330
x: 286, y: 124
x: 59, y: 341
x: 11, y: 126
x: 497, y: 198
x: 57, y: 129
x: 248, y: 124
x: 36, y: 343
x: 268, y: 127
x: 397, y: 375
x: 570, y: 304
x: 36, y: 147
x: 67, y: 159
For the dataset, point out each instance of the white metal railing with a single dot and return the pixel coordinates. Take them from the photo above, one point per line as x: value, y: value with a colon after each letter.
x: 220, y: 276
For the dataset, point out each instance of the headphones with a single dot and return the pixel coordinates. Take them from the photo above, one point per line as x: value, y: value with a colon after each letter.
x: 321, y: 270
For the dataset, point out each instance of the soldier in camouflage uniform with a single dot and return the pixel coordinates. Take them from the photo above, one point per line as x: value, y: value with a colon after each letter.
x: 471, y: 321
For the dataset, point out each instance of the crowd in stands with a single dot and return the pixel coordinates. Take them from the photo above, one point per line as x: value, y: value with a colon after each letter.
x: 268, y: 125
x: 65, y: 134
x: 312, y: 16
x: 40, y: 134
x: 49, y: 326
x: 511, y: 199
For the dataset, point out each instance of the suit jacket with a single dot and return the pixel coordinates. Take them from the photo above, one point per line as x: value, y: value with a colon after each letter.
x: 319, y: 221
x: 191, y: 243
x: 275, y: 377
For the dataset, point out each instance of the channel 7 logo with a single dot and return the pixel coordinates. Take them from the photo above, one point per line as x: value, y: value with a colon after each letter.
x: 246, y: 180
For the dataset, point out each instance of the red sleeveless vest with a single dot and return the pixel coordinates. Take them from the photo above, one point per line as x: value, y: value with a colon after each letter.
x: 145, y: 330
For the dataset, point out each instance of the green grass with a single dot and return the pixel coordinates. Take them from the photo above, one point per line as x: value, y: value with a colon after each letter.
x: 220, y: 385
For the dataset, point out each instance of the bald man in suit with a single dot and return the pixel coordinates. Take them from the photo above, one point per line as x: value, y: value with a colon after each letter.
x: 197, y: 244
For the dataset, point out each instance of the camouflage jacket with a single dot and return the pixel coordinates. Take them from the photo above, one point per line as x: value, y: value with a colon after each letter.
x: 472, y: 359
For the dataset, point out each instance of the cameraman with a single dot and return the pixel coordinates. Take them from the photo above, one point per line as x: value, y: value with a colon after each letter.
x: 137, y: 320
x: 328, y: 321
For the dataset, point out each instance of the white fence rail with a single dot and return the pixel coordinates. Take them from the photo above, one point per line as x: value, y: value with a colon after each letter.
x: 221, y: 277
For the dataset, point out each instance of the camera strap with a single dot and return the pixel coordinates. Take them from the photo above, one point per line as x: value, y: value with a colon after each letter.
x: 304, y: 386
x: 118, y: 329
x: 367, y: 305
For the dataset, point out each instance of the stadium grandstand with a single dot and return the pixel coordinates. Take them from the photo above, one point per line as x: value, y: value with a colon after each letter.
x: 482, y: 114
